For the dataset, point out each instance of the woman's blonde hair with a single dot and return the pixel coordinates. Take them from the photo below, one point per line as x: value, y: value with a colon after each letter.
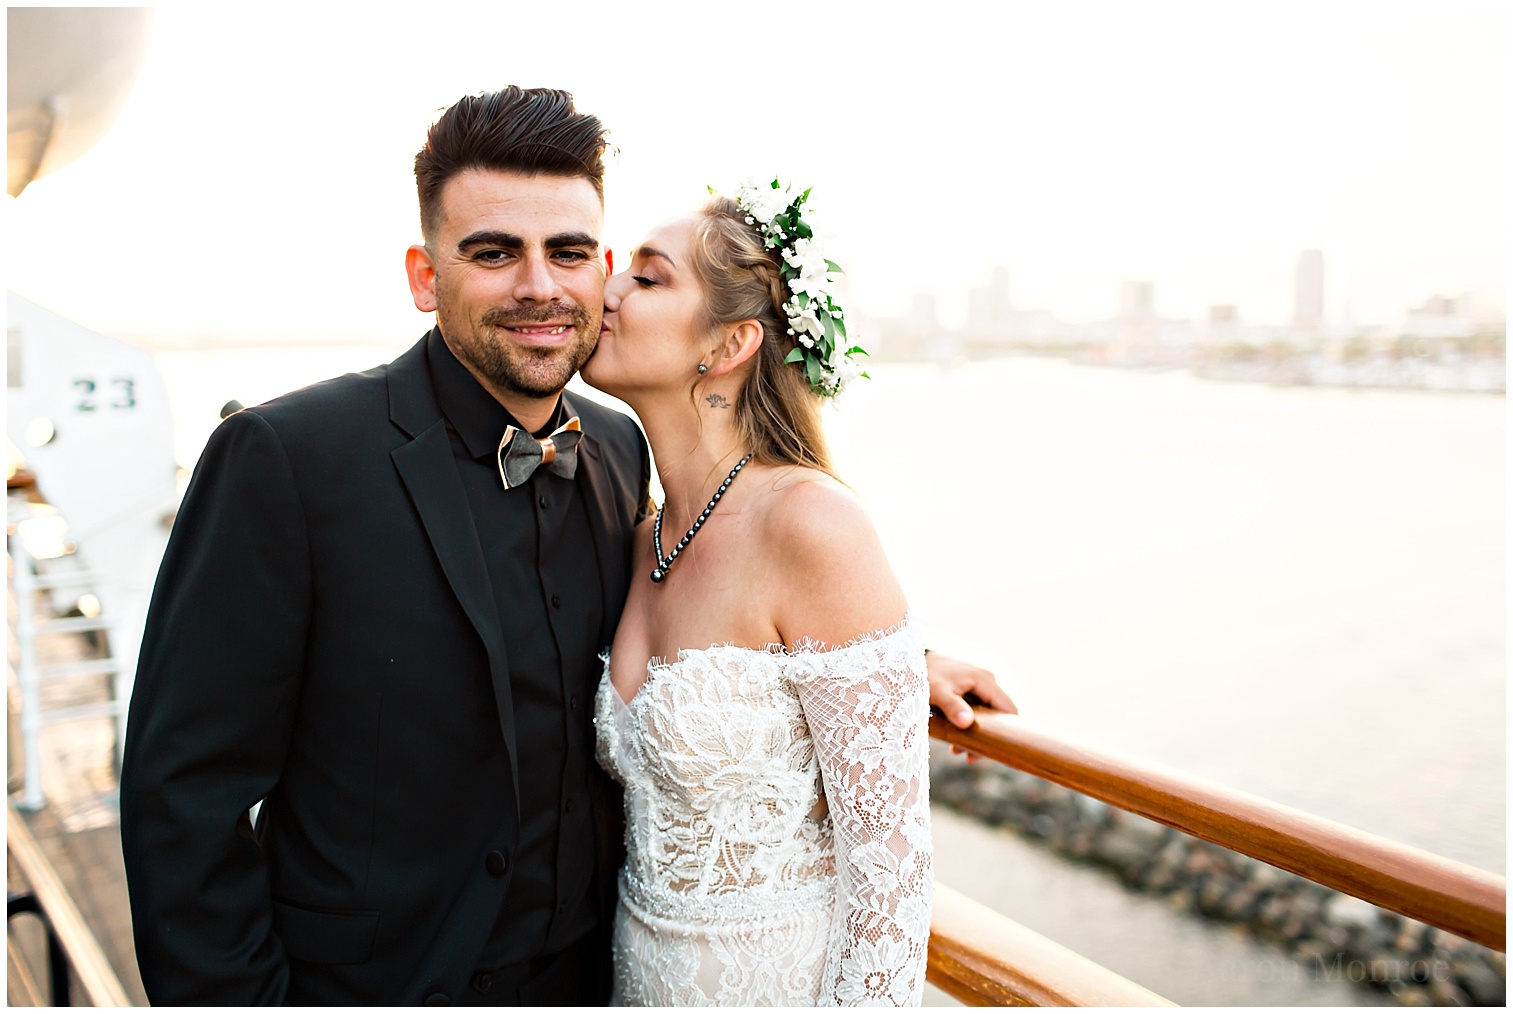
x: 777, y: 413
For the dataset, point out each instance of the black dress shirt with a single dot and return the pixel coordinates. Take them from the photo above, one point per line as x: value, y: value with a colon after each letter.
x: 539, y: 550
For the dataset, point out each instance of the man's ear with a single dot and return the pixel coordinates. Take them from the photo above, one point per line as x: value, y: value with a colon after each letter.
x: 422, y: 278
x: 741, y: 341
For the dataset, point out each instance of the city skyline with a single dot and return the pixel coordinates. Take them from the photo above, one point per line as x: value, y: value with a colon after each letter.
x: 991, y: 305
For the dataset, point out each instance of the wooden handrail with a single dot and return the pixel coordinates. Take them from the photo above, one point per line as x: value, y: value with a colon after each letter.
x: 98, y: 979
x: 1462, y: 899
x: 985, y: 959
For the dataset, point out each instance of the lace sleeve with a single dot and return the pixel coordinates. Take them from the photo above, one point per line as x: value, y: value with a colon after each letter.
x: 867, y: 706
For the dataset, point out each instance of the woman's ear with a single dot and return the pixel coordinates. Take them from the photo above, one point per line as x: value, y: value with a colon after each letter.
x: 741, y: 341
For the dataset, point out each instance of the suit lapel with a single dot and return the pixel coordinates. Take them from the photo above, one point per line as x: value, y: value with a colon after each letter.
x: 611, y: 545
x: 429, y: 473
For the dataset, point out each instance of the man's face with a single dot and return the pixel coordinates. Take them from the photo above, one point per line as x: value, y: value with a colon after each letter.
x: 515, y: 277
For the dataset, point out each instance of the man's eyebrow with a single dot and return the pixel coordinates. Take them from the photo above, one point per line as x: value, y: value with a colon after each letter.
x: 488, y: 237
x: 651, y: 251
x: 561, y: 240
x: 509, y: 241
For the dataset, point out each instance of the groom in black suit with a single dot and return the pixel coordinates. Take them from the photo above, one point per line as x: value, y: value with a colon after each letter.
x: 380, y: 615
x: 360, y: 625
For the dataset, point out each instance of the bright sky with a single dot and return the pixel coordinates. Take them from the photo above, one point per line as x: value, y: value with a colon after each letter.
x: 259, y: 186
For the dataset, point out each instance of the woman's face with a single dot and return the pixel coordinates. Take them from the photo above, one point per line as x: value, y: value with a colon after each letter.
x: 652, y: 337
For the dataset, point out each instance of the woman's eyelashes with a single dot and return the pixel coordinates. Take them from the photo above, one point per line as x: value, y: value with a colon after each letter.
x: 644, y: 282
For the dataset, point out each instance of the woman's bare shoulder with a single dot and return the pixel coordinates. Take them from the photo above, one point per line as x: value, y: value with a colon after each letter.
x: 806, y: 510
x: 837, y: 579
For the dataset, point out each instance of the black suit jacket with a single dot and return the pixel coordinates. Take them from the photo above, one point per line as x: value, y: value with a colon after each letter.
x: 323, y: 637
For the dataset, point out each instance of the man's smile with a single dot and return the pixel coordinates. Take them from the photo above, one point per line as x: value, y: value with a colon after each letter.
x: 540, y: 334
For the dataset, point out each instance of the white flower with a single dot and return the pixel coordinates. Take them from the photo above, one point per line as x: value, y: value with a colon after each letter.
x: 815, y: 285
x: 805, y: 320
x: 763, y: 202
x: 808, y: 280
x: 808, y: 257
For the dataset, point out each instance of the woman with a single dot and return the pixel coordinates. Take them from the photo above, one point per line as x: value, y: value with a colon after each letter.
x: 764, y: 701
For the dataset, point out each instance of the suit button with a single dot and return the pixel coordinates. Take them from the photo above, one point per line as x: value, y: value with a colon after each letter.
x: 572, y: 703
x: 568, y: 806
x: 483, y: 982
x: 438, y: 1000
x: 556, y: 601
x: 496, y: 863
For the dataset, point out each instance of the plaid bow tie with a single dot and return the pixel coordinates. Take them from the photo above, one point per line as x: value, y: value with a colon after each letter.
x: 520, y: 454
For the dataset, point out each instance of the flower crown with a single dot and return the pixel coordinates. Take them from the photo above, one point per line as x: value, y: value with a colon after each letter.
x: 821, y: 347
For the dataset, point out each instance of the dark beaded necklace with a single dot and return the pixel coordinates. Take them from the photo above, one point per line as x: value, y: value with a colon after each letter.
x: 664, y: 563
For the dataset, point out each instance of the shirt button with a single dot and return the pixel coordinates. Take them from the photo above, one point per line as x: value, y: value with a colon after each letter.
x: 496, y: 863
x: 438, y: 1000
x: 572, y: 702
x: 568, y: 806
x: 483, y: 982
x: 541, y: 502
x: 556, y: 601
x: 561, y: 907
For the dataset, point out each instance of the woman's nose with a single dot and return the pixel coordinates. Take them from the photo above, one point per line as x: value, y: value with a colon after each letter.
x: 614, y: 289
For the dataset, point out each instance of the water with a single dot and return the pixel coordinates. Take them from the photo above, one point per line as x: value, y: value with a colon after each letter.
x: 1189, y: 961
x: 1297, y: 592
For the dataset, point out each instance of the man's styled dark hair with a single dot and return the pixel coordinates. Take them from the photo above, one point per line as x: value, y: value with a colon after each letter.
x: 523, y: 130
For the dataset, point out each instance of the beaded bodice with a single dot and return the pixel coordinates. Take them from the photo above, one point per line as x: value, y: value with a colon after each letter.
x: 766, y: 785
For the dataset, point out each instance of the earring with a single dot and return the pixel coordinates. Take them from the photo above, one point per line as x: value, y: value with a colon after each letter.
x: 703, y: 369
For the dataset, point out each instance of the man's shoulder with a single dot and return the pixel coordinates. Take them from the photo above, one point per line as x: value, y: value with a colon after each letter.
x: 329, y: 401
x: 615, y: 430
x: 322, y: 425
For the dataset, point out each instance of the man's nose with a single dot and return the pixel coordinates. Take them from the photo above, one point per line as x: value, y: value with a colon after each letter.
x: 535, y: 281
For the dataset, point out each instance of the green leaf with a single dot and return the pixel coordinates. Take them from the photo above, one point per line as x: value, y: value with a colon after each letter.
x: 829, y: 323
x: 812, y: 370
x: 794, y: 354
x: 840, y: 326
x: 834, y: 267
x: 857, y: 350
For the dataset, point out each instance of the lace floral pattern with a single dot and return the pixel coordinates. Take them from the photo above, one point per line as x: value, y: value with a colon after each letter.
x: 777, y: 825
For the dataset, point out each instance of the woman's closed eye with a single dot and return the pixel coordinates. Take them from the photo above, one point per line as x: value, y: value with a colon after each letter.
x: 644, y: 282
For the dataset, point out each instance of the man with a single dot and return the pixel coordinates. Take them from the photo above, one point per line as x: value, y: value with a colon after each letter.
x: 388, y: 635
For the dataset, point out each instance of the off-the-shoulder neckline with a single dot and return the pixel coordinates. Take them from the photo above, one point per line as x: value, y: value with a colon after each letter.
x: 806, y: 647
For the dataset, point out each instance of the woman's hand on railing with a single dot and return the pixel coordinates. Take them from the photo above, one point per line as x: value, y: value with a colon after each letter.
x: 955, y: 686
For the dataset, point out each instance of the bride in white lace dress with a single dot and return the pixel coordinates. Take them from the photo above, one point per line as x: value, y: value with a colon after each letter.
x: 765, y: 700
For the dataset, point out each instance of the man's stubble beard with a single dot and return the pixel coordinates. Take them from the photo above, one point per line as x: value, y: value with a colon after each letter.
x: 532, y: 373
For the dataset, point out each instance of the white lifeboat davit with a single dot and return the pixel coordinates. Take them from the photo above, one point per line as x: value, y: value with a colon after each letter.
x: 69, y: 71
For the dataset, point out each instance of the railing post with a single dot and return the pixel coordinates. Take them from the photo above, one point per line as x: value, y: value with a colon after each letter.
x: 57, y: 957
x: 28, y: 676
x: 79, y: 950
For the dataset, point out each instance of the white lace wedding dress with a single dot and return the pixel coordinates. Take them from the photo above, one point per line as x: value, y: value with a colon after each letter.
x: 777, y: 826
